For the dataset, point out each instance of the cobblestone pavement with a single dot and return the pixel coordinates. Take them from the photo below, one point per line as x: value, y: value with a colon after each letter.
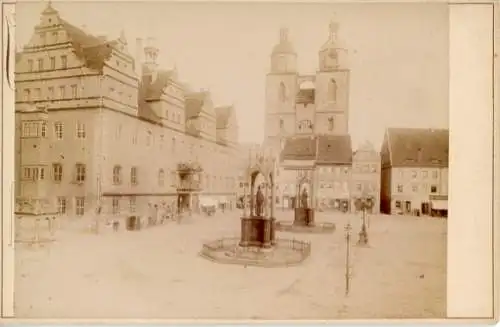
x: 157, y: 273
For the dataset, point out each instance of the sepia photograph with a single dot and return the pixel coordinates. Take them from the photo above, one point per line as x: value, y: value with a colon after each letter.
x: 232, y: 161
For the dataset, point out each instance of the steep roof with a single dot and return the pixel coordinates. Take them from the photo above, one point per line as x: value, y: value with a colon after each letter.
x: 299, y: 148
x: 155, y: 89
x: 305, y: 96
x: 144, y: 109
x: 92, y: 49
x: 417, y: 147
x: 194, y: 103
x: 325, y: 149
x: 223, y: 114
x: 334, y: 149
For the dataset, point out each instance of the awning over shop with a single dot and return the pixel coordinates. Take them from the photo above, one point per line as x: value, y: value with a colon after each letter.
x: 439, y: 204
x: 207, y: 201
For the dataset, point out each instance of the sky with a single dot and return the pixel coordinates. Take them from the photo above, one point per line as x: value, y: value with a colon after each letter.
x: 398, y: 53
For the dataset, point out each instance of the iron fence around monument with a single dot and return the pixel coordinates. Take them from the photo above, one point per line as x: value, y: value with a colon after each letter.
x: 212, y: 251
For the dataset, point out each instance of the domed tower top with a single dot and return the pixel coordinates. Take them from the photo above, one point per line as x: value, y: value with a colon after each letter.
x: 331, y: 51
x: 283, y: 57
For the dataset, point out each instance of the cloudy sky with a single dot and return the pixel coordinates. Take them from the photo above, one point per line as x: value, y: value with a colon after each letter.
x: 398, y: 52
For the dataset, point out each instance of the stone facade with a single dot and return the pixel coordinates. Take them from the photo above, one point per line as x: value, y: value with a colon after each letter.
x: 92, y: 123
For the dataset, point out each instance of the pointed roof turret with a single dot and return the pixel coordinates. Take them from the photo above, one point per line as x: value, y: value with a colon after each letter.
x: 49, y: 10
x: 284, y: 45
x: 122, y: 37
x: 332, y: 42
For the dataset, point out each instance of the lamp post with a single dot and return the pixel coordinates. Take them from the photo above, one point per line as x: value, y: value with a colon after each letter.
x: 347, y: 257
x: 363, y: 204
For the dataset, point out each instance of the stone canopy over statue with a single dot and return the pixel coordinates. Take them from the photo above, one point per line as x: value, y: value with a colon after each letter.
x: 259, y: 203
x: 303, y: 199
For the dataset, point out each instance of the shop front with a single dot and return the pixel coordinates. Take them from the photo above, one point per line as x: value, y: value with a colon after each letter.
x: 439, y: 205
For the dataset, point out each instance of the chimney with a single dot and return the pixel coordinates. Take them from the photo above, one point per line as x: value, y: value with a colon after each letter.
x: 139, y: 50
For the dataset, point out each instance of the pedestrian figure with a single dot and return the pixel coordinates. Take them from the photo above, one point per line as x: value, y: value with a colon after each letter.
x: 116, y: 225
x: 156, y: 213
x: 150, y: 213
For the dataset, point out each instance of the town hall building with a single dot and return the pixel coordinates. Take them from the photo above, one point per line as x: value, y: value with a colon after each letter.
x: 94, y: 123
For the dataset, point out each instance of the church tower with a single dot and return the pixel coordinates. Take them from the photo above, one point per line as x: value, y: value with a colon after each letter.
x: 281, y: 88
x: 332, y: 87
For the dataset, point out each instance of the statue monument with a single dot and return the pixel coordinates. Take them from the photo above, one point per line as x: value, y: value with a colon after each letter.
x: 303, y: 199
x: 259, y: 203
x: 257, y: 228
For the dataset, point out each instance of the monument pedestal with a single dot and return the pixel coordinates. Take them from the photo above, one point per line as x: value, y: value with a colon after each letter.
x: 257, y: 232
x: 304, y: 217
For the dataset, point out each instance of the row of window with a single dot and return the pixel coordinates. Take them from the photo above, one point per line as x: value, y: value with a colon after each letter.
x: 306, y: 124
x: 63, y: 60
x: 334, y: 170
x: 415, y: 188
x: 37, y: 129
x: 62, y: 205
x: 62, y: 94
x: 332, y: 89
x: 424, y: 174
x: 38, y: 173
x: 365, y: 168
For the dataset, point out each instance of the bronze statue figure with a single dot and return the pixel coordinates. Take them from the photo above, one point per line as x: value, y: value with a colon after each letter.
x: 303, y: 199
x: 259, y: 202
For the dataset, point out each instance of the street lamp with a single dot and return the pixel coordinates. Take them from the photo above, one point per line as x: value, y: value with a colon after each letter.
x: 363, y: 204
x: 347, y: 257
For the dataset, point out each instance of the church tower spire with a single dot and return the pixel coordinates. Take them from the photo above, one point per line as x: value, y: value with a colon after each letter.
x: 331, y: 50
x: 283, y: 57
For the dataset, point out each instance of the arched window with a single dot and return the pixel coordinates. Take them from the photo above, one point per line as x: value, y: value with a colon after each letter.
x: 117, y: 175
x: 282, y: 91
x: 332, y: 90
x: 330, y: 123
x: 282, y: 124
x: 161, y: 177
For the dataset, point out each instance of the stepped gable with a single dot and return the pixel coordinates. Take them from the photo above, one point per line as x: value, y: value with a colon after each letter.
x: 334, y: 149
x: 418, y: 147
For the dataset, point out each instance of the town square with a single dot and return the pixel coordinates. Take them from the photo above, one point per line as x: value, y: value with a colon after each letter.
x: 140, y: 194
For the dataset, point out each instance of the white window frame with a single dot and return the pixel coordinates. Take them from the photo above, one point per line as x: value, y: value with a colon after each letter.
x: 57, y: 172
x: 115, y: 205
x: 80, y: 173
x: 80, y: 130
x: 117, y: 175
x: 79, y: 205
x: 62, y: 205
x: 133, y: 203
x: 59, y: 130
x: 133, y: 175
